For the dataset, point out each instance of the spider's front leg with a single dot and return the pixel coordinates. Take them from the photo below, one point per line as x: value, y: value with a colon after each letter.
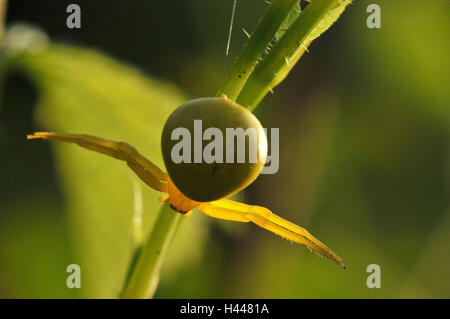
x: 264, y: 218
x: 143, y: 167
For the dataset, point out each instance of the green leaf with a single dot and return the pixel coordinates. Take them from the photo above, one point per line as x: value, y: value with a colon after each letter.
x: 290, y: 18
x: 310, y: 24
x: 83, y: 91
x: 269, y: 27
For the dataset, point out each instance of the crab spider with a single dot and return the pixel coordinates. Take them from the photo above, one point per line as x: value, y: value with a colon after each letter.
x: 224, y: 209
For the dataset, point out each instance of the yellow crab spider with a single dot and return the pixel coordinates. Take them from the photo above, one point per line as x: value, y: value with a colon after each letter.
x: 220, y: 208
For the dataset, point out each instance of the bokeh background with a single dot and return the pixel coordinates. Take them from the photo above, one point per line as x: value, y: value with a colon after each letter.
x: 364, y: 151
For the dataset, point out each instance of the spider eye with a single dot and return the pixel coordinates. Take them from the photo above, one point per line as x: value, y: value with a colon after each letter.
x: 213, y: 148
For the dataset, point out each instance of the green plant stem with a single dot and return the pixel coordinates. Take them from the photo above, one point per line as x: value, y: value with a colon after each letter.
x: 255, y: 47
x: 144, y: 274
x: 318, y: 16
x: 3, y: 4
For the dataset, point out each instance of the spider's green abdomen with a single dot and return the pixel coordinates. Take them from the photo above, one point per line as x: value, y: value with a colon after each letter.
x: 213, y: 148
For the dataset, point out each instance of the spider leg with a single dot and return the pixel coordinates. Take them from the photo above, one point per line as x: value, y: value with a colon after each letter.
x: 230, y: 210
x: 144, y: 168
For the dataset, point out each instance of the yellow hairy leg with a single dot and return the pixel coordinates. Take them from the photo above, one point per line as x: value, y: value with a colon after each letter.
x: 144, y: 168
x: 264, y: 218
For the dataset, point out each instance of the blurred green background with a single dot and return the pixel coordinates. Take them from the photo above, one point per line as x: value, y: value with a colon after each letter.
x: 364, y: 151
